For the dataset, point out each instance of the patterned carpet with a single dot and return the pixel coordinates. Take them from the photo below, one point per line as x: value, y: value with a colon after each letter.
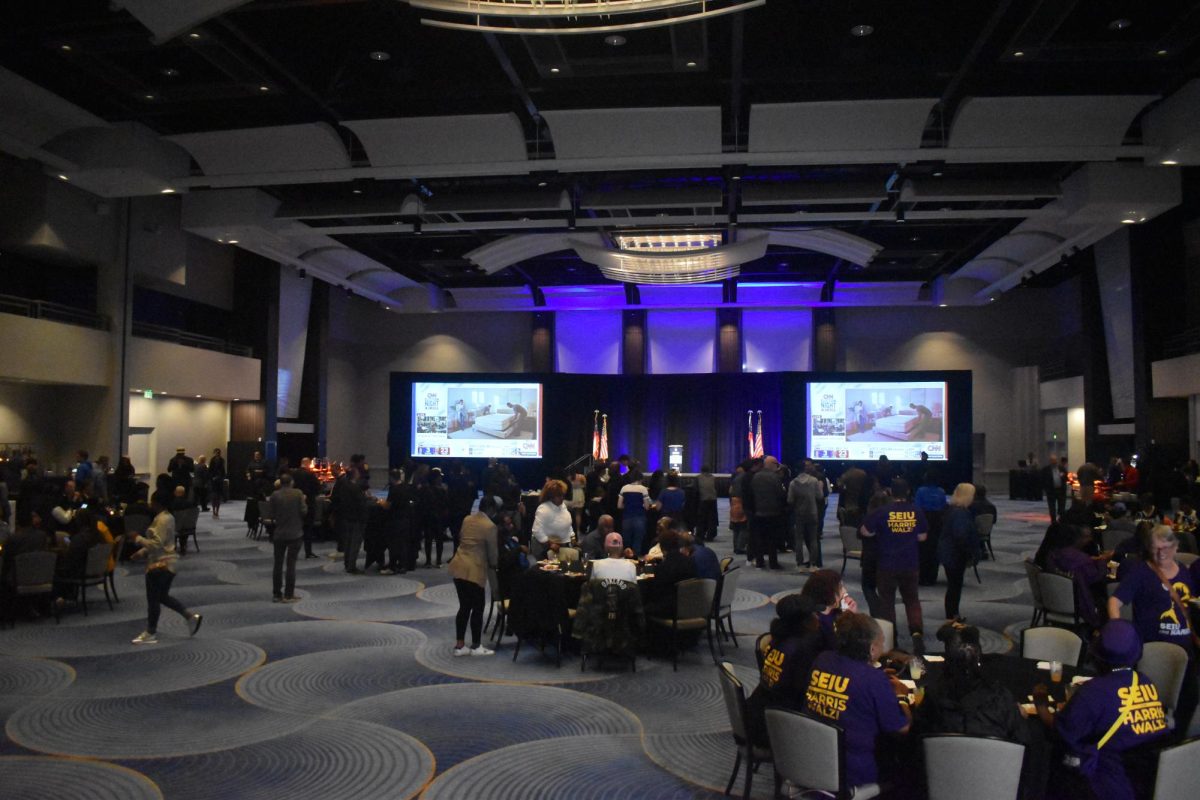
x: 353, y: 693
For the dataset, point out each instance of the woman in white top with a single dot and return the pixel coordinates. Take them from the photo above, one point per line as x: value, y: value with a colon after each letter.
x: 552, y: 521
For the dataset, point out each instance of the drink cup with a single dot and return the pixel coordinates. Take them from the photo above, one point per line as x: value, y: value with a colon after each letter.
x: 1056, y: 672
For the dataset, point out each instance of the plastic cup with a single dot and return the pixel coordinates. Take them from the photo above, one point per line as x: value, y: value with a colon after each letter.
x: 1056, y: 672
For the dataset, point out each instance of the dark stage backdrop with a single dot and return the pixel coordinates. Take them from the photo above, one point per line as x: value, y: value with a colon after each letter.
x: 704, y: 413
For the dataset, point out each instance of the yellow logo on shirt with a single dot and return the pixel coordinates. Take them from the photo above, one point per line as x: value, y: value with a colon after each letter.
x: 902, y: 521
x: 1169, y: 623
x: 772, y: 668
x: 827, y: 694
x: 1142, y: 709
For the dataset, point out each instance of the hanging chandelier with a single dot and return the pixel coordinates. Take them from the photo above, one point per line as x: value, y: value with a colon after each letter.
x: 552, y: 17
x: 671, y: 260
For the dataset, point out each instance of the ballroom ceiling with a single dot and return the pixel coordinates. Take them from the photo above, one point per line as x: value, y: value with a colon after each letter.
x: 938, y: 201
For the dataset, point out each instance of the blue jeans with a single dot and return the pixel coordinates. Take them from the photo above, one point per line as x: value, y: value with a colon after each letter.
x: 633, y: 530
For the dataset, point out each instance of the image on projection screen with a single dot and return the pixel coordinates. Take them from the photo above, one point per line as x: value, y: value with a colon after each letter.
x: 476, y: 420
x: 863, y: 421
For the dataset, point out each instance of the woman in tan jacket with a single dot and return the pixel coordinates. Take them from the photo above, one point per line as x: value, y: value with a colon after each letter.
x: 478, y: 552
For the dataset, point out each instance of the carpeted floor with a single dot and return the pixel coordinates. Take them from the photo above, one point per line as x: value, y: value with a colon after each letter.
x: 353, y: 693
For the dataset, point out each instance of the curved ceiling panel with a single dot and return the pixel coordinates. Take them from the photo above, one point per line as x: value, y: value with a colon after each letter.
x: 1071, y: 121
x: 840, y: 125
x: 284, y: 148
x: 614, y: 132
x: 830, y: 241
x: 473, y: 138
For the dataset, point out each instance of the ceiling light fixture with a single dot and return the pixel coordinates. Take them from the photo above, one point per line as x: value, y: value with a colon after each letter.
x: 542, y: 184
x: 555, y: 70
x: 264, y: 88
x: 167, y: 190
x: 1128, y: 221
x: 938, y: 173
x: 1019, y: 54
x: 1169, y: 162
x: 862, y: 30
x: 681, y: 258
x: 193, y: 35
x: 614, y: 40
x: 556, y: 17
x: 1120, y: 24
x: 356, y: 191
x: 1162, y: 52
x: 149, y: 97
x: 233, y: 241
x: 66, y: 48
x: 691, y: 63
x: 379, y: 55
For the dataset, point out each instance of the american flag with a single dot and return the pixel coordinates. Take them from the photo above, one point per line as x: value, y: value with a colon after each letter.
x: 596, y: 434
x: 757, y: 448
x: 604, y: 441
x: 750, y: 432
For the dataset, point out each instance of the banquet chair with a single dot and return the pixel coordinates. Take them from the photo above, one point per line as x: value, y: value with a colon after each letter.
x: 1165, y: 664
x: 34, y: 577
x: 1058, y: 599
x: 95, y: 573
x: 851, y: 546
x: 1178, y: 771
x: 266, y: 523
x: 983, y: 526
x: 185, y: 526
x: 734, y: 695
x: 1186, y: 559
x: 693, y: 612
x: 136, y: 524
x: 498, y: 606
x: 1051, y: 644
x: 610, y: 622
x: 982, y: 768
x: 727, y: 588
x: 889, y: 634
x: 1032, y: 571
x: 810, y: 754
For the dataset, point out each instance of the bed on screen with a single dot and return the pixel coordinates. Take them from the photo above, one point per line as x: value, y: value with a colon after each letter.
x: 899, y: 426
x: 502, y: 426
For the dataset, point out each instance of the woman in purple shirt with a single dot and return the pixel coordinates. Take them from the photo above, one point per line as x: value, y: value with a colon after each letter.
x: 846, y: 688
x: 1088, y: 573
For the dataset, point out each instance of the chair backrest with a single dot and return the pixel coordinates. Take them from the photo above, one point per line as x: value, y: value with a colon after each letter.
x: 761, y: 645
x: 1186, y: 559
x: 851, y: 546
x: 1032, y: 571
x: 1058, y: 593
x: 186, y: 519
x: 729, y: 588
x: 807, y: 751
x: 1051, y: 644
x: 35, y: 571
x: 136, y: 523
x: 726, y: 562
x: 889, y: 634
x: 983, y: 526
x: 734, y: 695
x: 975, y: 767
x: 1178, y: 770
x: 694, y: 598
x: 97, y: 560
x: 264, y: 509
x: 1165, y: 664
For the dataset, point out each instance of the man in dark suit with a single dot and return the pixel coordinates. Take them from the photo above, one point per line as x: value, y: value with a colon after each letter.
x: 1054, y: 483
x: 181, y: 468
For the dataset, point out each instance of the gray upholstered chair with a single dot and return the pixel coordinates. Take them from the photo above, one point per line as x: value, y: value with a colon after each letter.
x: 810, y: 754
x: 851, y: 546
x: 976, y: 767
x: 734, y: 695
x: 1178, y: 771
x: 693, y: 612
x: 1051, y: 644
x: 1165, y: 664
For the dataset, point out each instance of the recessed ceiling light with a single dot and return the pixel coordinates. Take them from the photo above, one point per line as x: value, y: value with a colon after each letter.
x: 554, y: 70
x: 233, y: 241
x: 991, y: 299
x: 1128, y: 221
x: 193, y: 35
x: 356, y: 191
x: 170, y: 72
x: 1120, y: 24
x: 167, y: 190
x: 62, y: 177
x: 1169, y: 162
x: 1018, y: 54
x: 199, y: 396
x: 237, y: 399
x: 938, y: 174
x: 615, y: 40
x: 66, y: 48
x: 1162, y: 52
x: 264, y: 88
x: 220, y: 241
x: 542, y: 184
x: 691, y: 63
x: 379, y: 55
x: 148, y: 97
x: 941, y: 305
x: 862, y: 30
x: 735, y: 177
x: 914, y: 238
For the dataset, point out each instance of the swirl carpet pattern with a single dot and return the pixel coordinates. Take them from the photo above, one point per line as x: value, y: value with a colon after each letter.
x: 354, y: 691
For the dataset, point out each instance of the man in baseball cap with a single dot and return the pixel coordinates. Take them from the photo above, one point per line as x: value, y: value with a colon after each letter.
x: 615, y: 567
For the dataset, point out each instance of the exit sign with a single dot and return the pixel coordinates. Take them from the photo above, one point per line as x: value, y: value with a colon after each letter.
x: 148, y: 394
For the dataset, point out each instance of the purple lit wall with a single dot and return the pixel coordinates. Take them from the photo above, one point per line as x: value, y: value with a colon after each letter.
x: 588, y: 341
x: 777, y: 340
x: 681, y: 341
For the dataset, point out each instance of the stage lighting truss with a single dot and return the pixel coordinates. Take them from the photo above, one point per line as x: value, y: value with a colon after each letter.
x: 553, y: 17
x: 671, y: 266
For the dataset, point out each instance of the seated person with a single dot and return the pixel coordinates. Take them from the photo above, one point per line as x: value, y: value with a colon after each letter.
x: 27, y: 537
x: 982, y: 505
x: 1186, y: 523
x: 707, y: 564
x: 675, y: 566
x: 864, y: 701
x: 1089, y: 573
x: 1134, y: 549
x: 1109, y: 715
x: 72, y: 563
x: 655, y: 553
x: 615, y: 567
x: 964, y: 700
x: 1120, y: 520
x: 785, y: 662
x: 824, y: 588
x: 594, y: 541
x: 1148, y: 510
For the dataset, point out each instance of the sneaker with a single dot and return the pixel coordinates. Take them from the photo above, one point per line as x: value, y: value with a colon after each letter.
x: 481, y: 651
x: 386, y: 571
x: 145, y: 637
x: 194, y: 623
x: 290, y: 600
x: 462, y: 651
x: 311, y: 555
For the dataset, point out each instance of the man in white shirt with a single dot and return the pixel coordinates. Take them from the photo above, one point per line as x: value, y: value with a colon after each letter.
x: 616, y: 567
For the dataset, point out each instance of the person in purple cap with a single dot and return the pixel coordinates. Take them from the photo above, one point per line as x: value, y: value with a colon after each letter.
x: 1110, y: 714
x: 616, y: 567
